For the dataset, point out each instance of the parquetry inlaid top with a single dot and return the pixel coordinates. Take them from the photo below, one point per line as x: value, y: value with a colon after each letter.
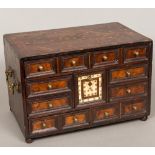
x: 44, y: 42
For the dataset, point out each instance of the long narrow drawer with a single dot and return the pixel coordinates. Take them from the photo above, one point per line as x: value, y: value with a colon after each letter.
x: 127, y: 90
x: 133, y: 54
x: 40, y: 67
x: 49, y: 86
x: 44, y: 125
x: 133, y: 107
x: 73, y: 62
x: 106, y: 113
x: 128, y: 73
x: 106, y: 57
x: 76, y: 119
x: 51, y: 103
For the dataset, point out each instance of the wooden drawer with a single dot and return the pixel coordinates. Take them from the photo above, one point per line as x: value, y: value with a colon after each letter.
x: 51, y: 103
x: 74, y: 62
x: 133, y: 107
x: 44, y: 124
x: 128, y: 73
x: 106, y: 112
x: 39, y: 67
x: 128, y: 90
x: 105, y: 57
x: 49, y: 86
x: 76, y: 119
x: 134, y: 54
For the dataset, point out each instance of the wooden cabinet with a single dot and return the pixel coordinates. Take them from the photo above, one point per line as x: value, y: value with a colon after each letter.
x: 77, y: 78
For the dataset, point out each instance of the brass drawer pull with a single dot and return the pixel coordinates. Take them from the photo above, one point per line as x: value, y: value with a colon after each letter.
x: 134, y: 108
x: 128, y: 91
x: 104, y: 58
x: 128, y: 73
x: 73, y: 62
x: 50, y: 105
x: 44, y: 125
x: 136, y: 53
x: 75, y: 119
x: 40, y: 68
x: 106, y: 114
x: 49, y: 86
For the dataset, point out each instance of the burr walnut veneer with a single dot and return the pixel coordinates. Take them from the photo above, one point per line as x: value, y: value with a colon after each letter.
x: 75, y: 78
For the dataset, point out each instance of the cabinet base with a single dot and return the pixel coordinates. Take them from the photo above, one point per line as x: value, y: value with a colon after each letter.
x: 144, y: 118
x: 29, y: 140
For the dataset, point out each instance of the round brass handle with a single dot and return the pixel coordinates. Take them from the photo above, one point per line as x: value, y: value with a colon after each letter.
x: 106, y: 114
x: 128, y: 91
x: 50, y: 105
x: 44, y: 125
x: 105, y: 58
x: 75, y: 120
x: 40, y: 68
x: 49, y: 86
x: 128, y: 73
x: 134, y: 108
x: 136, y: 53
x: 73, y: 62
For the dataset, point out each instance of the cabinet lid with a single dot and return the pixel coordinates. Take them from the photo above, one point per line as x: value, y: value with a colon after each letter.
x: 37, y: 43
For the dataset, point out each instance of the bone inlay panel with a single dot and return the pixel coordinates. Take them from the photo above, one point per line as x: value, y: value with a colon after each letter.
x: 89, y: 88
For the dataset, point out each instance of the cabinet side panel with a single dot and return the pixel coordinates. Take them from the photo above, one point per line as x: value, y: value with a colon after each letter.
x: 15, y: 100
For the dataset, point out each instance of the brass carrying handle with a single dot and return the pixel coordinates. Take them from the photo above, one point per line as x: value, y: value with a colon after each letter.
x: 13, y: 85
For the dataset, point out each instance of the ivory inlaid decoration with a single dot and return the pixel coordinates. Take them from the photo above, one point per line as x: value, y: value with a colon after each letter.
x: 90, y: 88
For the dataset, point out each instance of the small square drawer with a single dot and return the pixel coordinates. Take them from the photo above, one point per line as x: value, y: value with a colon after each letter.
x: 39, y: 67
x: 133, y: 106
x: 105, y: 57
x: 49, y: 86
x: 76, y: 119
x: 128, y: 90
x: 51, y: 103
x: 44, y: 124
x: 128, y: 73
x: 106, y: 112
x: 135, y: 54
x: 74, y: 62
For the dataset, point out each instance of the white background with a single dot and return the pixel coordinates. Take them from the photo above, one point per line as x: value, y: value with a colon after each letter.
x: 135, y: 133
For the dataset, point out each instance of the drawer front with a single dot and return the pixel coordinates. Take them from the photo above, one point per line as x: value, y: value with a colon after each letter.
x: 53, y: 103
x: 135, y: 54
x: 49, y: 86
x: 133, y: 107
x: 76, y: 119
x: 128, y: 90
x: 102, y: 58
x: 74, y: 62
x: 45, y: 124
x: 128, y: 73
x: 40, y: 67
x: 105, y: 113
